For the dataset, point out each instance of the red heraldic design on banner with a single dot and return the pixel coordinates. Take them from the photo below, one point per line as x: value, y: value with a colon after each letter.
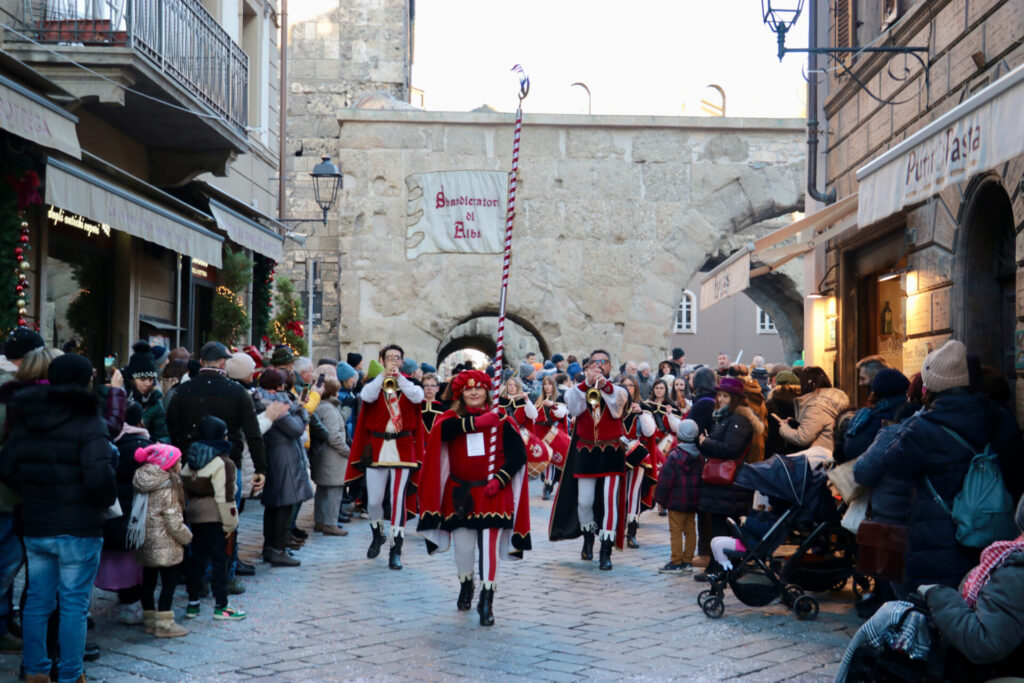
x: 454, y: 476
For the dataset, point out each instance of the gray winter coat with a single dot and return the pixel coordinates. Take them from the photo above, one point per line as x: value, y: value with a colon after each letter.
x: 329, y: 466
x: 287, y: 476
x: 991, y: 631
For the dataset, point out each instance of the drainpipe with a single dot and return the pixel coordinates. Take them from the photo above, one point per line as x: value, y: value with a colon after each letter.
x: 829, y: 196
x: 283, y: 113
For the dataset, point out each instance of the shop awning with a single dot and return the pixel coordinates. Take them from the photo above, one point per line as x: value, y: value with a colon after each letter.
x: 33, y: 117
x: 247, y: 232
x: 732, y: 276
x: 973, y: 137
x: 75, y: 188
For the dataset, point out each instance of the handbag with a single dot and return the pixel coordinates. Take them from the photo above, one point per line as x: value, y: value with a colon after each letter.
x: 856, y: 513
x: 883, y: 549
x: 841, y: 477
x: 720, y: 472
x: 113, y: 511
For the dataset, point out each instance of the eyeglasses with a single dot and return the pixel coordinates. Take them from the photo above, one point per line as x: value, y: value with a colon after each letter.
x: 600, y: 361
x: 392, y: 356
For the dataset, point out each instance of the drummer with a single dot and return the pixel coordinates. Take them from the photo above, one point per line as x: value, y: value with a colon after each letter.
x: 552, y: 427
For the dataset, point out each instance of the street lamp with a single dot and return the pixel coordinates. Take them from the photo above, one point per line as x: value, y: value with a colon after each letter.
x: 781, y: 19
x: 327, y: 181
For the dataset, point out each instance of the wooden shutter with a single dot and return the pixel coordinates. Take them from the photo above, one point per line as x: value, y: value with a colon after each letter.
x: 846, y: 25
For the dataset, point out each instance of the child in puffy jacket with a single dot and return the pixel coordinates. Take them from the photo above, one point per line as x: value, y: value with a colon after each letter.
x: 158, y: 514
x: 209, y: 479
x: 678, y: 491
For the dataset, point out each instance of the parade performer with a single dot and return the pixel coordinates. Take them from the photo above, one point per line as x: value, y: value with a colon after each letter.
x: 432, y: 408
x: 473, y: 489
x: 639, y: 427
x: 516, y: 404
x: 387, y: 449
x: 552, y: 427
x: 591, y: 491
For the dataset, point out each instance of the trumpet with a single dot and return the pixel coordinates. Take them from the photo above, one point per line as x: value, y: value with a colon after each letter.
x: 593, y: 398
x: 389, y: 385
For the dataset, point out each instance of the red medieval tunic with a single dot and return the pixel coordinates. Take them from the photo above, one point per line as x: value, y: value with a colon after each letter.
x: 554, y: 431
x: 596, y: 450
x: 638, y: 456
x: 460, y: 460
x: 664, y: 438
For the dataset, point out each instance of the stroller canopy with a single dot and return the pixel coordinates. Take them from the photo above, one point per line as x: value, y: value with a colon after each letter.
x: 789, y: 478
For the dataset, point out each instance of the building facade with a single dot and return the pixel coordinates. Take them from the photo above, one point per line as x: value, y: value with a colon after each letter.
x: 174, y: 160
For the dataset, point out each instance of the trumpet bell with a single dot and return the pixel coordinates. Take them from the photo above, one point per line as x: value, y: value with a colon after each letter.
x: 389, y: 385
x: 593, y: 398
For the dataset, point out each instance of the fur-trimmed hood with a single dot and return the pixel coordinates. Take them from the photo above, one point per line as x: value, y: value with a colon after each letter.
x: 755, y: 422
x: 786, y: 393
x: 41, y: 407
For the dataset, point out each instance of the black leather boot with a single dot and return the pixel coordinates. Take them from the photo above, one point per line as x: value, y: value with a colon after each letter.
x: 548, y: 488
x: 588, y: 546
x: 395, y: 554
x: 378, y: 541
x: 485, y: 607
x: 605, y: 557
x: 631, y: 534
x: 466, y: 595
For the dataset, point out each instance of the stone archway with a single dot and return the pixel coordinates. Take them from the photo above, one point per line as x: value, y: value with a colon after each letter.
x: 779, y: 296
x: 480, y: 332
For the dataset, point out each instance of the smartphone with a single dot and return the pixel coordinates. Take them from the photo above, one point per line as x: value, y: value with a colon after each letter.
x: 109, y: 361
x: 320, y: 380
x: 109, y: 367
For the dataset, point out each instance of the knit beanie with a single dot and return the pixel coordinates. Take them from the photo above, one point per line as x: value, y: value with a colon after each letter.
x: 525, y: 370
x: 240, y: 366
x: 409, y: 366
x: 160, y: 355
x: 946, y: 367
x: 705, y: 380
x: 427, y: 368
x: 354, y: 359
x: 133, y: 414
x: 573, y: 370
x: 375, y: 369
x: 557, y: 358
x: 163, y: 455
x: 687, y: 431
x: 141, y: 363
x: 787, y: 377
x: 70, y: 368
x: 889, y: 382
x: 212, y: 429
x: 345, y: 372
x: 21, y: 341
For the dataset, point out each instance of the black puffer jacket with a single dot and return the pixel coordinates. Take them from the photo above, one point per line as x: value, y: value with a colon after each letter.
x: 922, y: 448
x: 780, y: 402
x: 729, y: 440
x: 60, y: 459
x: 702, y: 410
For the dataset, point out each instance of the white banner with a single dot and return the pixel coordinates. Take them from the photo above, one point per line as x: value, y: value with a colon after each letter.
x: 455, y: 212
x: 732, y: 276
x: 975, y: 136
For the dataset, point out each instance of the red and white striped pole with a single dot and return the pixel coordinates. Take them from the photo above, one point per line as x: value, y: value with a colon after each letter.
x: 510, y: 215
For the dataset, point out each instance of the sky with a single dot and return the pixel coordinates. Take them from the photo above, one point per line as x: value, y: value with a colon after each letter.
x: 644, y: 57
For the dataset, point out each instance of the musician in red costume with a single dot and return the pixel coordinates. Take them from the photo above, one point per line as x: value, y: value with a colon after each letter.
x: 639, y: 427
x: 514, y: 402
x: 552, y: 427
x: 591, y: 496
x: 473, y: 489
x: 387, y: 448
x: 432, y: 408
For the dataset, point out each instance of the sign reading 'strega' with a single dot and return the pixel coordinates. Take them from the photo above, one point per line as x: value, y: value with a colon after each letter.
x: 973, y: 137
x: 461, y: 212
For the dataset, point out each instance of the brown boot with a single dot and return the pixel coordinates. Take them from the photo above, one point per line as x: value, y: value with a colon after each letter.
x: 166, y: 627
x: 329, y: 530
x: 149, y: 620
x: 319, y: 528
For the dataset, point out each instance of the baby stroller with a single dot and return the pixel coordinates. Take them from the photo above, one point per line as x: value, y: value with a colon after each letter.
x: 803, y: 508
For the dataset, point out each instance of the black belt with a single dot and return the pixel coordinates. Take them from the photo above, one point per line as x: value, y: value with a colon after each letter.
x: 463, y: 482
x: 390, y: 436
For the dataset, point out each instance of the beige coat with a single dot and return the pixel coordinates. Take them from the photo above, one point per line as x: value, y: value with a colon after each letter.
x: 328, y: 469
x: 816, y: 412
x: 166, y: 533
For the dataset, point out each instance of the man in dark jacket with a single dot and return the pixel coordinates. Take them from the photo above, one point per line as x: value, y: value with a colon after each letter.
x: 704, y: 387
x: 888, y: 396
x: 59, y: 458
x: 212, y: 393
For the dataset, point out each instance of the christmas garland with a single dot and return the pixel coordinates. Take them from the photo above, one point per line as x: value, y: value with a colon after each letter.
x: 286, y: 327
x: 230, y: 319
x: 262, y: 295
x: 18, y: 191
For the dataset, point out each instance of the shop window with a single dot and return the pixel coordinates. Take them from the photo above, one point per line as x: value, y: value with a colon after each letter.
x: 253, y: 45
x: 765, y: 325
x: 686, y: 314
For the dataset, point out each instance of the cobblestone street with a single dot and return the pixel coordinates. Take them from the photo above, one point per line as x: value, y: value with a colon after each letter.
x: 342, y: 617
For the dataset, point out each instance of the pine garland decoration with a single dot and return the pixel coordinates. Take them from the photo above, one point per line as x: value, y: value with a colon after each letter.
x: 287, y: 325
x: 262, y: 296
x: 18, y: 191
x: 230, y: 319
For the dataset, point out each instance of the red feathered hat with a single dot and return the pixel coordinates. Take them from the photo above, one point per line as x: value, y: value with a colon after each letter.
x: 467, y: 379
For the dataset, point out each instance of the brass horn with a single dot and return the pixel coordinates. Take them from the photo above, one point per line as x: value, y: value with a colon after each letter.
x: 389, y: 385
x: 593, y: 398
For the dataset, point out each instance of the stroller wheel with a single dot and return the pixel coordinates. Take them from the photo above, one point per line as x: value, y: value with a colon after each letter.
x: 805, y: 608
x: 793, y: 592
x: 862, y: 585
x: 713, y: 606
x: 702, y: 596
x: 839, y: 585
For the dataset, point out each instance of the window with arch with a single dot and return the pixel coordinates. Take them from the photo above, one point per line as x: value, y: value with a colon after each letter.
x: 686, y: 314
x: 765, y: 325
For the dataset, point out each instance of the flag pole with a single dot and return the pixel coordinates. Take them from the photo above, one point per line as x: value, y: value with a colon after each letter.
x: 510, y: 215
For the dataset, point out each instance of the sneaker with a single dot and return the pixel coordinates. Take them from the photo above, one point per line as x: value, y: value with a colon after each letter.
x: 130, y: 614
x: 235, y: 586
x: 192, y: 611
x: 10, y: 644
x: 671, y: 569
x: 244, y: 569
x: 686, y: 567
x: 228, y: 614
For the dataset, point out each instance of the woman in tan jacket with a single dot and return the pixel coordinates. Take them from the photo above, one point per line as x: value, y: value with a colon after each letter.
x: 160, y: 502
x: 816, y: 411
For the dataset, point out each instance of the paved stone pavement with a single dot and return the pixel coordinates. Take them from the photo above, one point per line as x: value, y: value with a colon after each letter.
x: 342, y: 617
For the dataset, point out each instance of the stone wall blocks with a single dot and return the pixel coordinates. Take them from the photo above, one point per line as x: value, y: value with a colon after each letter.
x: 666, y: 182
x: 725, y: 147
x: 465, y: 141
x: 586, y: 143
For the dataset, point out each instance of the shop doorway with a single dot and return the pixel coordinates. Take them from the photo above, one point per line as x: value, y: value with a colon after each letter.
x: 987, y: 276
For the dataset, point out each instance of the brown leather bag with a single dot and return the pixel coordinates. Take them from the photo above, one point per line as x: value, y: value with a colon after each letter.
x: 883, y: 549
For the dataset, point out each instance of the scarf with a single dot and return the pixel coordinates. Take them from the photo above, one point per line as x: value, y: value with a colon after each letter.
x: 129, y: 429
x: 136, y: 535
x: 200, y: 453
x: 991, y: 558
x: 722, y: 413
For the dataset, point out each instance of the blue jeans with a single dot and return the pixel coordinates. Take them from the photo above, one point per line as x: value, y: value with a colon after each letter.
x: 11, y: 556
x: 64, y: 566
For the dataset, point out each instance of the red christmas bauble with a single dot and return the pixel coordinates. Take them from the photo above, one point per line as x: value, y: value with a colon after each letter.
x: 19, y: 257
x: 24, y: 238
x: 18, y: 251
x: 19, y: 289
x: 22, y: 322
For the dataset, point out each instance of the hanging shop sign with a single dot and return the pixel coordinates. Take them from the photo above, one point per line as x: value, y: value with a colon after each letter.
x: 58, y: 216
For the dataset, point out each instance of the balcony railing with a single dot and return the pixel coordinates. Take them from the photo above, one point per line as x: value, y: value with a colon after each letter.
x: 178, y: 37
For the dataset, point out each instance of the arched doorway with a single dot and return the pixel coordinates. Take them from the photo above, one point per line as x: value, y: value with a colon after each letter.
x: 986, y: 275
x: 480, y: 333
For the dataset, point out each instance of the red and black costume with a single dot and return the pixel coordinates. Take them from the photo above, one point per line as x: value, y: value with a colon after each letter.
x: 473, y: 492
x: 591, y: 492
x: 387, y: 449
x: 640, y: 474
x: 552, y: 427
x: 431, y: 412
